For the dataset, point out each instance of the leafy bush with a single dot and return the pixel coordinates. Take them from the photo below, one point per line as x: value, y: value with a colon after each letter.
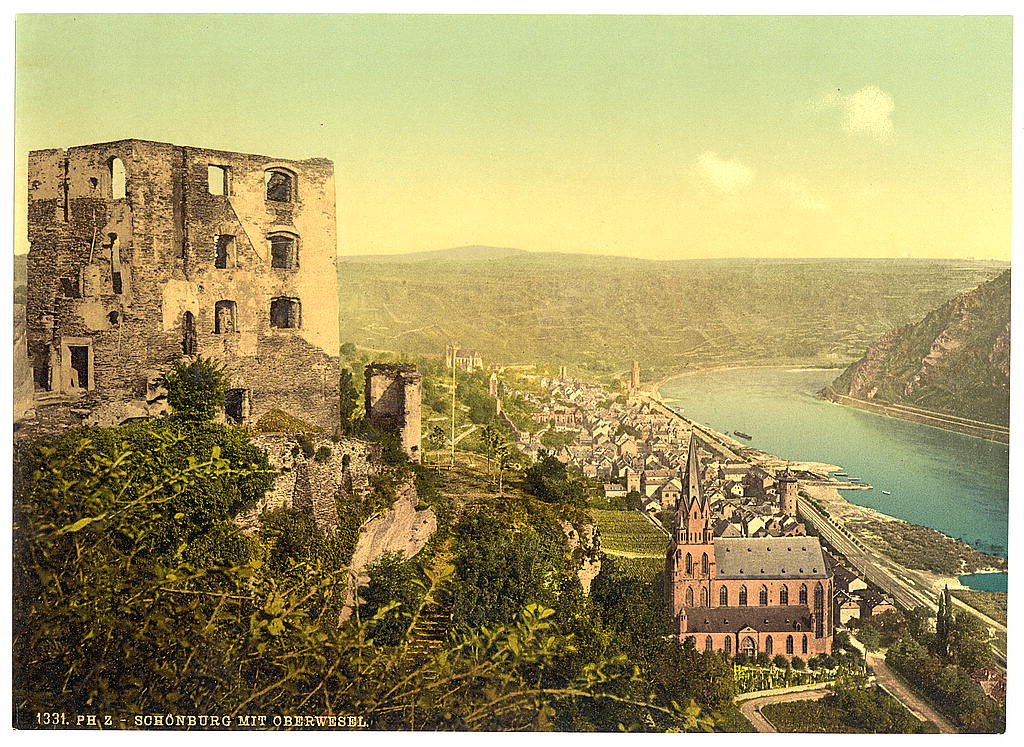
x: 196, y: 389
x: 322, y: 454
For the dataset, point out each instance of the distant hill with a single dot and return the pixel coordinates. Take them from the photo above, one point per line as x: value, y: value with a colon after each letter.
x: 955, y: 360
x: 458, y: 253
x: 596, y: 313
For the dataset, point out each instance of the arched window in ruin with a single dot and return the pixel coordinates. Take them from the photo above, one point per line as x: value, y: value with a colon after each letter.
x: 723, y: 596
x: 784, y: 595
x: 224, y: 318
x: 789, y: 644
x: 709, y: 643
x: 118, y: 181
x: 689, y: 564
x: 768, y: 645
x: 280, y: 185
x: 762, y: 596
x: 743, y: 596
x: 704, y: 598
x: 689, y: 596
x: 803, y: 593
x: 284, y: 250
x: 188, y: 333
x: 749, y: 646
x: 819, y: 610
x: 285, y: 313
x: 704, y: 564
x: 803, y: 645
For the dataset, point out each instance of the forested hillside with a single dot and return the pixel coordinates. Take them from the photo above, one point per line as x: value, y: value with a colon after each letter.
x: 595, y: 314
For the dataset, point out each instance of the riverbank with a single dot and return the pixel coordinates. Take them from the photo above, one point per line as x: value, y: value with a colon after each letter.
x: 876, y: 529
x: 975, y: 428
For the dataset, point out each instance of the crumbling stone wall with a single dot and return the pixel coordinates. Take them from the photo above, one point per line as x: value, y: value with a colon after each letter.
x: 306, y: 484
x: 117, y: 274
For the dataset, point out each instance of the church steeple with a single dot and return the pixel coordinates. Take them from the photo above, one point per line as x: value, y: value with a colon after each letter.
x: 693, y: 515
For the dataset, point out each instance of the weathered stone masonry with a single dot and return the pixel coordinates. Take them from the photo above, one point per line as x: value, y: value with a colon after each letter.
x: 143, y: 253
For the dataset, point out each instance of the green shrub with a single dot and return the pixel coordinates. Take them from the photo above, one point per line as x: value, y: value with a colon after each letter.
x: 323, y: 454
x: 195, y: 389
x: 279, y: 421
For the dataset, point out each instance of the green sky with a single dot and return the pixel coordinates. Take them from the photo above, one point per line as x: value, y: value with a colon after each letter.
x: 650, y: 136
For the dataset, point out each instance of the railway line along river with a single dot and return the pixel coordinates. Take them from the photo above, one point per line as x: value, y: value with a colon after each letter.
x: 939, y: 479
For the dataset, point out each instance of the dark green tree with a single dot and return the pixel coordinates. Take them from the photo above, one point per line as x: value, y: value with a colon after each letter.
x: 348, y: 402
x: 196, y: 389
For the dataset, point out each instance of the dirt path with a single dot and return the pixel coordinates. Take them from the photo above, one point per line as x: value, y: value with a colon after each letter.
x: 751, y: 709
x: 887, y: 679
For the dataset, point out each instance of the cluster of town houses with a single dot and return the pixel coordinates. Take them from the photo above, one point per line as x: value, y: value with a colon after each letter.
x: 639, y: 449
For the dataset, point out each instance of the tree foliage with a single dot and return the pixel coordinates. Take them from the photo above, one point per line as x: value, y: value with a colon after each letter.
x: 196, y: 389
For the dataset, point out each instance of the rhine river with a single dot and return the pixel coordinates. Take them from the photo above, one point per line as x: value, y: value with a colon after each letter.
x: 938, y: 479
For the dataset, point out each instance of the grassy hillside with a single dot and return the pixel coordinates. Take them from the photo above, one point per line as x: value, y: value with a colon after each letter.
x: 595, y: 314
x: 955, y: 360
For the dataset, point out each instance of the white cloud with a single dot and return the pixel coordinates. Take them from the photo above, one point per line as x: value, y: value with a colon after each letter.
x: 724, y: 175
x: 802, y: 196
x: 867, y: 111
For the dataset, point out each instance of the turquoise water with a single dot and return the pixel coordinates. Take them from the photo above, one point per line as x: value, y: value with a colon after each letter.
x: 985, y: 581
x: 938, y: 479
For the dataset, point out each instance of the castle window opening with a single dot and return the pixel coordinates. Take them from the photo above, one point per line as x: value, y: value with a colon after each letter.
x: 236, y: 405
x: 224, y: 318
x: 280, y: 185
x: 225, y: 251
x: 118, y: 181
x: 69, y: 288
x: 188, y: 333
x: 115, y: 264
x: 114, y: 317
x: 284, y: 251
x: 217, y: 179
x: 79, y: 371
x: 285, y: 313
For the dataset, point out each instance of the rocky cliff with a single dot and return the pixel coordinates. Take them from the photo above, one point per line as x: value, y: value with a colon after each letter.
x: 956, y: 360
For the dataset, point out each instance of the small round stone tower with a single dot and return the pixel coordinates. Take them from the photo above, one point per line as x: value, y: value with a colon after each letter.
x: 787, y: 487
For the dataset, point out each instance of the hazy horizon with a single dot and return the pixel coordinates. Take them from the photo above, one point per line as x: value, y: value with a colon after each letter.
x: 655, y: 137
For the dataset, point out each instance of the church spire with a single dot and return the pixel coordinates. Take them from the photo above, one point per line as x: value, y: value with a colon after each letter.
x: 693, y: 489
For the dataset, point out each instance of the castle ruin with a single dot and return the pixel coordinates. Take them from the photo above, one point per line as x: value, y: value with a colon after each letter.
x: 143, y: 253
x: 393, y: 403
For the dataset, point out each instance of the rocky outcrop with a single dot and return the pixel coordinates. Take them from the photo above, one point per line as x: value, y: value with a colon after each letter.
x: 401, y: 529
x: 956, y: 360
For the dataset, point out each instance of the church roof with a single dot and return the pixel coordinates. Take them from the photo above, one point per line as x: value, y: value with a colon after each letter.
x: 769, y: 557
x: 792, y: 619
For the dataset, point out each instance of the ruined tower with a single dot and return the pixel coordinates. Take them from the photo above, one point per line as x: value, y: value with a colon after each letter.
x: 634, y: 377
x: 143, y: 253
x: 393, y: 403
x: 787, y: 487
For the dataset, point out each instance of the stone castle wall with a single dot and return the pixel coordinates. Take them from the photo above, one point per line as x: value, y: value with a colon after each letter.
x: 164, y: 252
